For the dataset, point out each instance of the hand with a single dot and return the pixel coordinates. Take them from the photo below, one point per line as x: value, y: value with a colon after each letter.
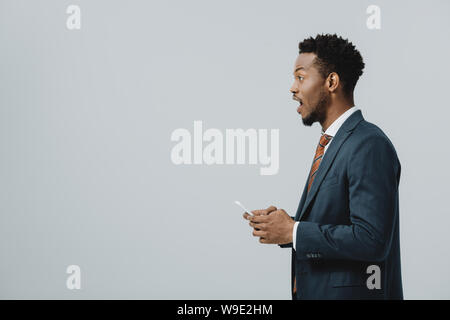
x: 275, y: 227
x: 261, y: 212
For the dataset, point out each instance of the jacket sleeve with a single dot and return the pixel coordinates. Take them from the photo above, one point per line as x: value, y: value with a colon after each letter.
x: 373, y: 174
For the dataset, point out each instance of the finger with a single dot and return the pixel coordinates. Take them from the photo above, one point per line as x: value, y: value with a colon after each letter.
x: 246, y: 216
x: 263, y: 240
x: 258, y: 226
x: 259, y: 212
x: 270, y: 209
x: 253, y: 225
x: 259, y: 219
x: 258, y: 233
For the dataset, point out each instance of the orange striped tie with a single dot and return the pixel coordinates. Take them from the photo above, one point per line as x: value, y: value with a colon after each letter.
x: 324, y: 140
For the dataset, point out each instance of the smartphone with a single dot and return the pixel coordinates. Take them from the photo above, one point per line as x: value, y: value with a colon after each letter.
x: 240, y: 205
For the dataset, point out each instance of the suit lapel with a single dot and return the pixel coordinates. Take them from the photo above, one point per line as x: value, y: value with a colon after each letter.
x: 342, y: 134
x: 302, y: 200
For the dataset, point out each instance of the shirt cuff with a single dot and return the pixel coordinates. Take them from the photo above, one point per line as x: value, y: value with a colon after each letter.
x: 294, y: 234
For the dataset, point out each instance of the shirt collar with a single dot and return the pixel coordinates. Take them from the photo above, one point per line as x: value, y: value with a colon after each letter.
x: 334, y: 127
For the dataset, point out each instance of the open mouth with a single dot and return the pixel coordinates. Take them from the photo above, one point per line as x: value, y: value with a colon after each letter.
x: 299, y: 108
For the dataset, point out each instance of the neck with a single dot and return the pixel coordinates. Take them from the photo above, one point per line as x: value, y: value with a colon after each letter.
x: 335, y: 110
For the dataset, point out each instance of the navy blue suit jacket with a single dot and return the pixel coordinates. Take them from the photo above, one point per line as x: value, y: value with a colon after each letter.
x: 349, y: 219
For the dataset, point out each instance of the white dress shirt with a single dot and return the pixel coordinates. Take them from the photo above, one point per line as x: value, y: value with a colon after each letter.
x: 332, y: 130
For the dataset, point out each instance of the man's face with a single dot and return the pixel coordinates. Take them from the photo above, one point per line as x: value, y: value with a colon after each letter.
x: 309, y: 89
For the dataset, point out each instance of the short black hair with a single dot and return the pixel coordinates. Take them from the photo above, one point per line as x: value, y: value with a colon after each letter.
x: 335, y: 54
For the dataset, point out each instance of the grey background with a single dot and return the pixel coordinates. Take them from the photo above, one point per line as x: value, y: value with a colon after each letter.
x: 86, y: 118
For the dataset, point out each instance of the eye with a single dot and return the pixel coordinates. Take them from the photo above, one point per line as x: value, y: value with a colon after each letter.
x: 300, y: 78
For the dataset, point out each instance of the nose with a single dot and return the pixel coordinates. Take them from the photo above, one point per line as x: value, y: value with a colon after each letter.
x: 293, y: 88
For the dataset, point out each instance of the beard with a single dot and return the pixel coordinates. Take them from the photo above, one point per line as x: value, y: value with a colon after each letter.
x: 319, y: 111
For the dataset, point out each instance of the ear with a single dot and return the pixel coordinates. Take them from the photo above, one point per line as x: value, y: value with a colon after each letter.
x: 332, y: 82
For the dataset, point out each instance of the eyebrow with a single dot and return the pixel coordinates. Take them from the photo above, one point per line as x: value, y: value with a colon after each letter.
x: 299, y: 69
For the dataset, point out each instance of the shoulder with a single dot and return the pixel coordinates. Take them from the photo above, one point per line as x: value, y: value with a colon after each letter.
x: 368, y: 132
x: 368, y: 137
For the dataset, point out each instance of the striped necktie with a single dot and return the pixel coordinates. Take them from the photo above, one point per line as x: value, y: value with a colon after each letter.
x: 324, y: 140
